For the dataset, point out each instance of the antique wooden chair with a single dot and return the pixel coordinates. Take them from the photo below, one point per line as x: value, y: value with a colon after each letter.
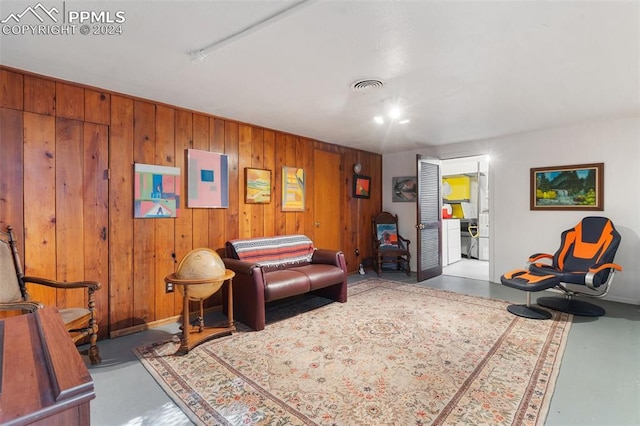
x: 388, y: 245
x: 79, y: 322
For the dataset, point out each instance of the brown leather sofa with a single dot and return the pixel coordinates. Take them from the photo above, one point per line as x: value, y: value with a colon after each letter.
x: 273, y: 268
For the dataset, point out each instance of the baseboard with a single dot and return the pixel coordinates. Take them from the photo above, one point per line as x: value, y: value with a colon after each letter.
x: 154, y: 324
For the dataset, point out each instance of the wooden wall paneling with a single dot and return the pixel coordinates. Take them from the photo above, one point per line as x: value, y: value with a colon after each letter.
x: 144, y: 244
x: 375, y: 202
x: 11, y: 89
x: 269, y: 163
x: 11, y: 173
x: 121, y: 214
x: 244, y: 160
x: 165, y: 261
x: 184, y: 222
x: 257, y: 155
x: 96, y: 216
x: 302, y: 154
x: 308, y: 219
x: 69, y: 101
x: 39, y: 240
x: 291, y: 160
x: 39, y: 95
x: 231, y: 140
x: 369, y: 207
x: 217, y: 235
x: 351, y: 227
x: 269, y: 149
x: 200, y: 215
x: 280, y: 162
x: 69, y: 209
x: 97, y: 106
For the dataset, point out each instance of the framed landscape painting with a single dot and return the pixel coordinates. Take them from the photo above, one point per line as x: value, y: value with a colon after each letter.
x: 257, y: 186
x: 575, y: 187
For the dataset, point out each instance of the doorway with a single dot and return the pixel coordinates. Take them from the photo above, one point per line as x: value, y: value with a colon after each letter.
x: 466, y: 214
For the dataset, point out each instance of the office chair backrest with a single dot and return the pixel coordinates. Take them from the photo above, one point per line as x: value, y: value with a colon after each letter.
x: 594, y: 240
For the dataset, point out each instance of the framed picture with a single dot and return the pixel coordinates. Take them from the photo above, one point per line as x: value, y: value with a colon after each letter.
x: 156, y: 191
x: 405, y: 189
x: 361, y: 186
x: 387, y: 234
x: 257, y: 186
x: 292, y: 189
x: 577, y: 187
x: 207, y: 179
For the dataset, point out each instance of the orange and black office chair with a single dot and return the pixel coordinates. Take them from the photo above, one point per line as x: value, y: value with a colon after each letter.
x: 585, y: 258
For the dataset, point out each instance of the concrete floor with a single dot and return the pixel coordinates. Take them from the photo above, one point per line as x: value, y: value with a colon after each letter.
x: 599, y: 381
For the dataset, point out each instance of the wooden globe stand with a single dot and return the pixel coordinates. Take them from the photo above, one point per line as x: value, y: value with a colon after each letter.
x: 191, y: 337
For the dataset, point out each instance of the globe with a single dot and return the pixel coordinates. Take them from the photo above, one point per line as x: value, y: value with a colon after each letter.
x: 202, y: 264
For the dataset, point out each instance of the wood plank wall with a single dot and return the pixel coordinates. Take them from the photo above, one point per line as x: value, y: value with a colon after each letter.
x: 66, y: 183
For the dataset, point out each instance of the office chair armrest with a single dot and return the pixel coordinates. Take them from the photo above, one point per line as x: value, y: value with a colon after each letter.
x: 538, y: 256
x: 602, y: 266
x: 590, y: 278
x: 21, y: 306
x: 91, y: 285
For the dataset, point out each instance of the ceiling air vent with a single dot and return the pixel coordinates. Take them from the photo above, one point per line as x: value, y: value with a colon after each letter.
x: 367, y: 85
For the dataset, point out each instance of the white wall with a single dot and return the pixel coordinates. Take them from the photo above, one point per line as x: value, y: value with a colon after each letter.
x: 516, y: 231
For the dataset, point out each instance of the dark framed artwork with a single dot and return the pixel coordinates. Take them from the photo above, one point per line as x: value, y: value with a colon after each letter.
x: 257, y: 186
x: 575, y: 187
x: 405, y: 189
x: 361, y: 186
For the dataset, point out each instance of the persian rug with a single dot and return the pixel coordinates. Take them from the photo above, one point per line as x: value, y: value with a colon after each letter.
x: 396, y: 354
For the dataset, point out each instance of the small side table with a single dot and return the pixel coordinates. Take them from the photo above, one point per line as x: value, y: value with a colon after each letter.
x: 193, y: 336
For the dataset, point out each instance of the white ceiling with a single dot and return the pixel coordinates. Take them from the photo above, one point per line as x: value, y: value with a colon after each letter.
x: 462, y: 70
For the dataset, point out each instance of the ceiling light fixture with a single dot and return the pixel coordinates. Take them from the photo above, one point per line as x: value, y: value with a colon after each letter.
x: 394, y: 112
x: 201, y: 54
x: 403, y: 121
x: 378, y: 119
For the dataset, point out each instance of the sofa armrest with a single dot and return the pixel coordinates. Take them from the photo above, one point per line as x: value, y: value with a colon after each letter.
x: 330, y: 257
x: 240, y: 267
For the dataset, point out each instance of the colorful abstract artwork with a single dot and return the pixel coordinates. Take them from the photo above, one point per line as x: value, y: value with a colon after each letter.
x: 361, y: 186
x: 156, y: 191
x: 207, y: 179
x: 257, y: 186
x: 292, y: 189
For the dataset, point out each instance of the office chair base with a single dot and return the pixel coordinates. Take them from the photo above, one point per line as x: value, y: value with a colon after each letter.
x: 571, y: 306
x: 530, y: 312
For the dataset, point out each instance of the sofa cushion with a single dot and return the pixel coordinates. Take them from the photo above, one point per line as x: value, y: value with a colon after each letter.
x: 284, y: 283
x: 321, y: 275
x: 272, y: 251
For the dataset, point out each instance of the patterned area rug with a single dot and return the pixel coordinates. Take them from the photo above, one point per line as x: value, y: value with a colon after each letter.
x: 393, y: 354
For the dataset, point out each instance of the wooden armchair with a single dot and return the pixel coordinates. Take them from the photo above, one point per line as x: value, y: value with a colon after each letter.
x: 388, y: 245
x: 79, y: 322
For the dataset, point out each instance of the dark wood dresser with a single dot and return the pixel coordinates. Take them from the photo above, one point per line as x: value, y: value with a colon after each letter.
x: 43, y: 379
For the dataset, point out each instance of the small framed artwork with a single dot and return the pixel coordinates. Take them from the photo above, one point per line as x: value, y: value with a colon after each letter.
x: 156, y: 191
x: 207, y: 179
x: 361, y: 186
x: 576, y: 187
x: 405, y: 189
x: 257, y: 186
x: 292, y: 189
